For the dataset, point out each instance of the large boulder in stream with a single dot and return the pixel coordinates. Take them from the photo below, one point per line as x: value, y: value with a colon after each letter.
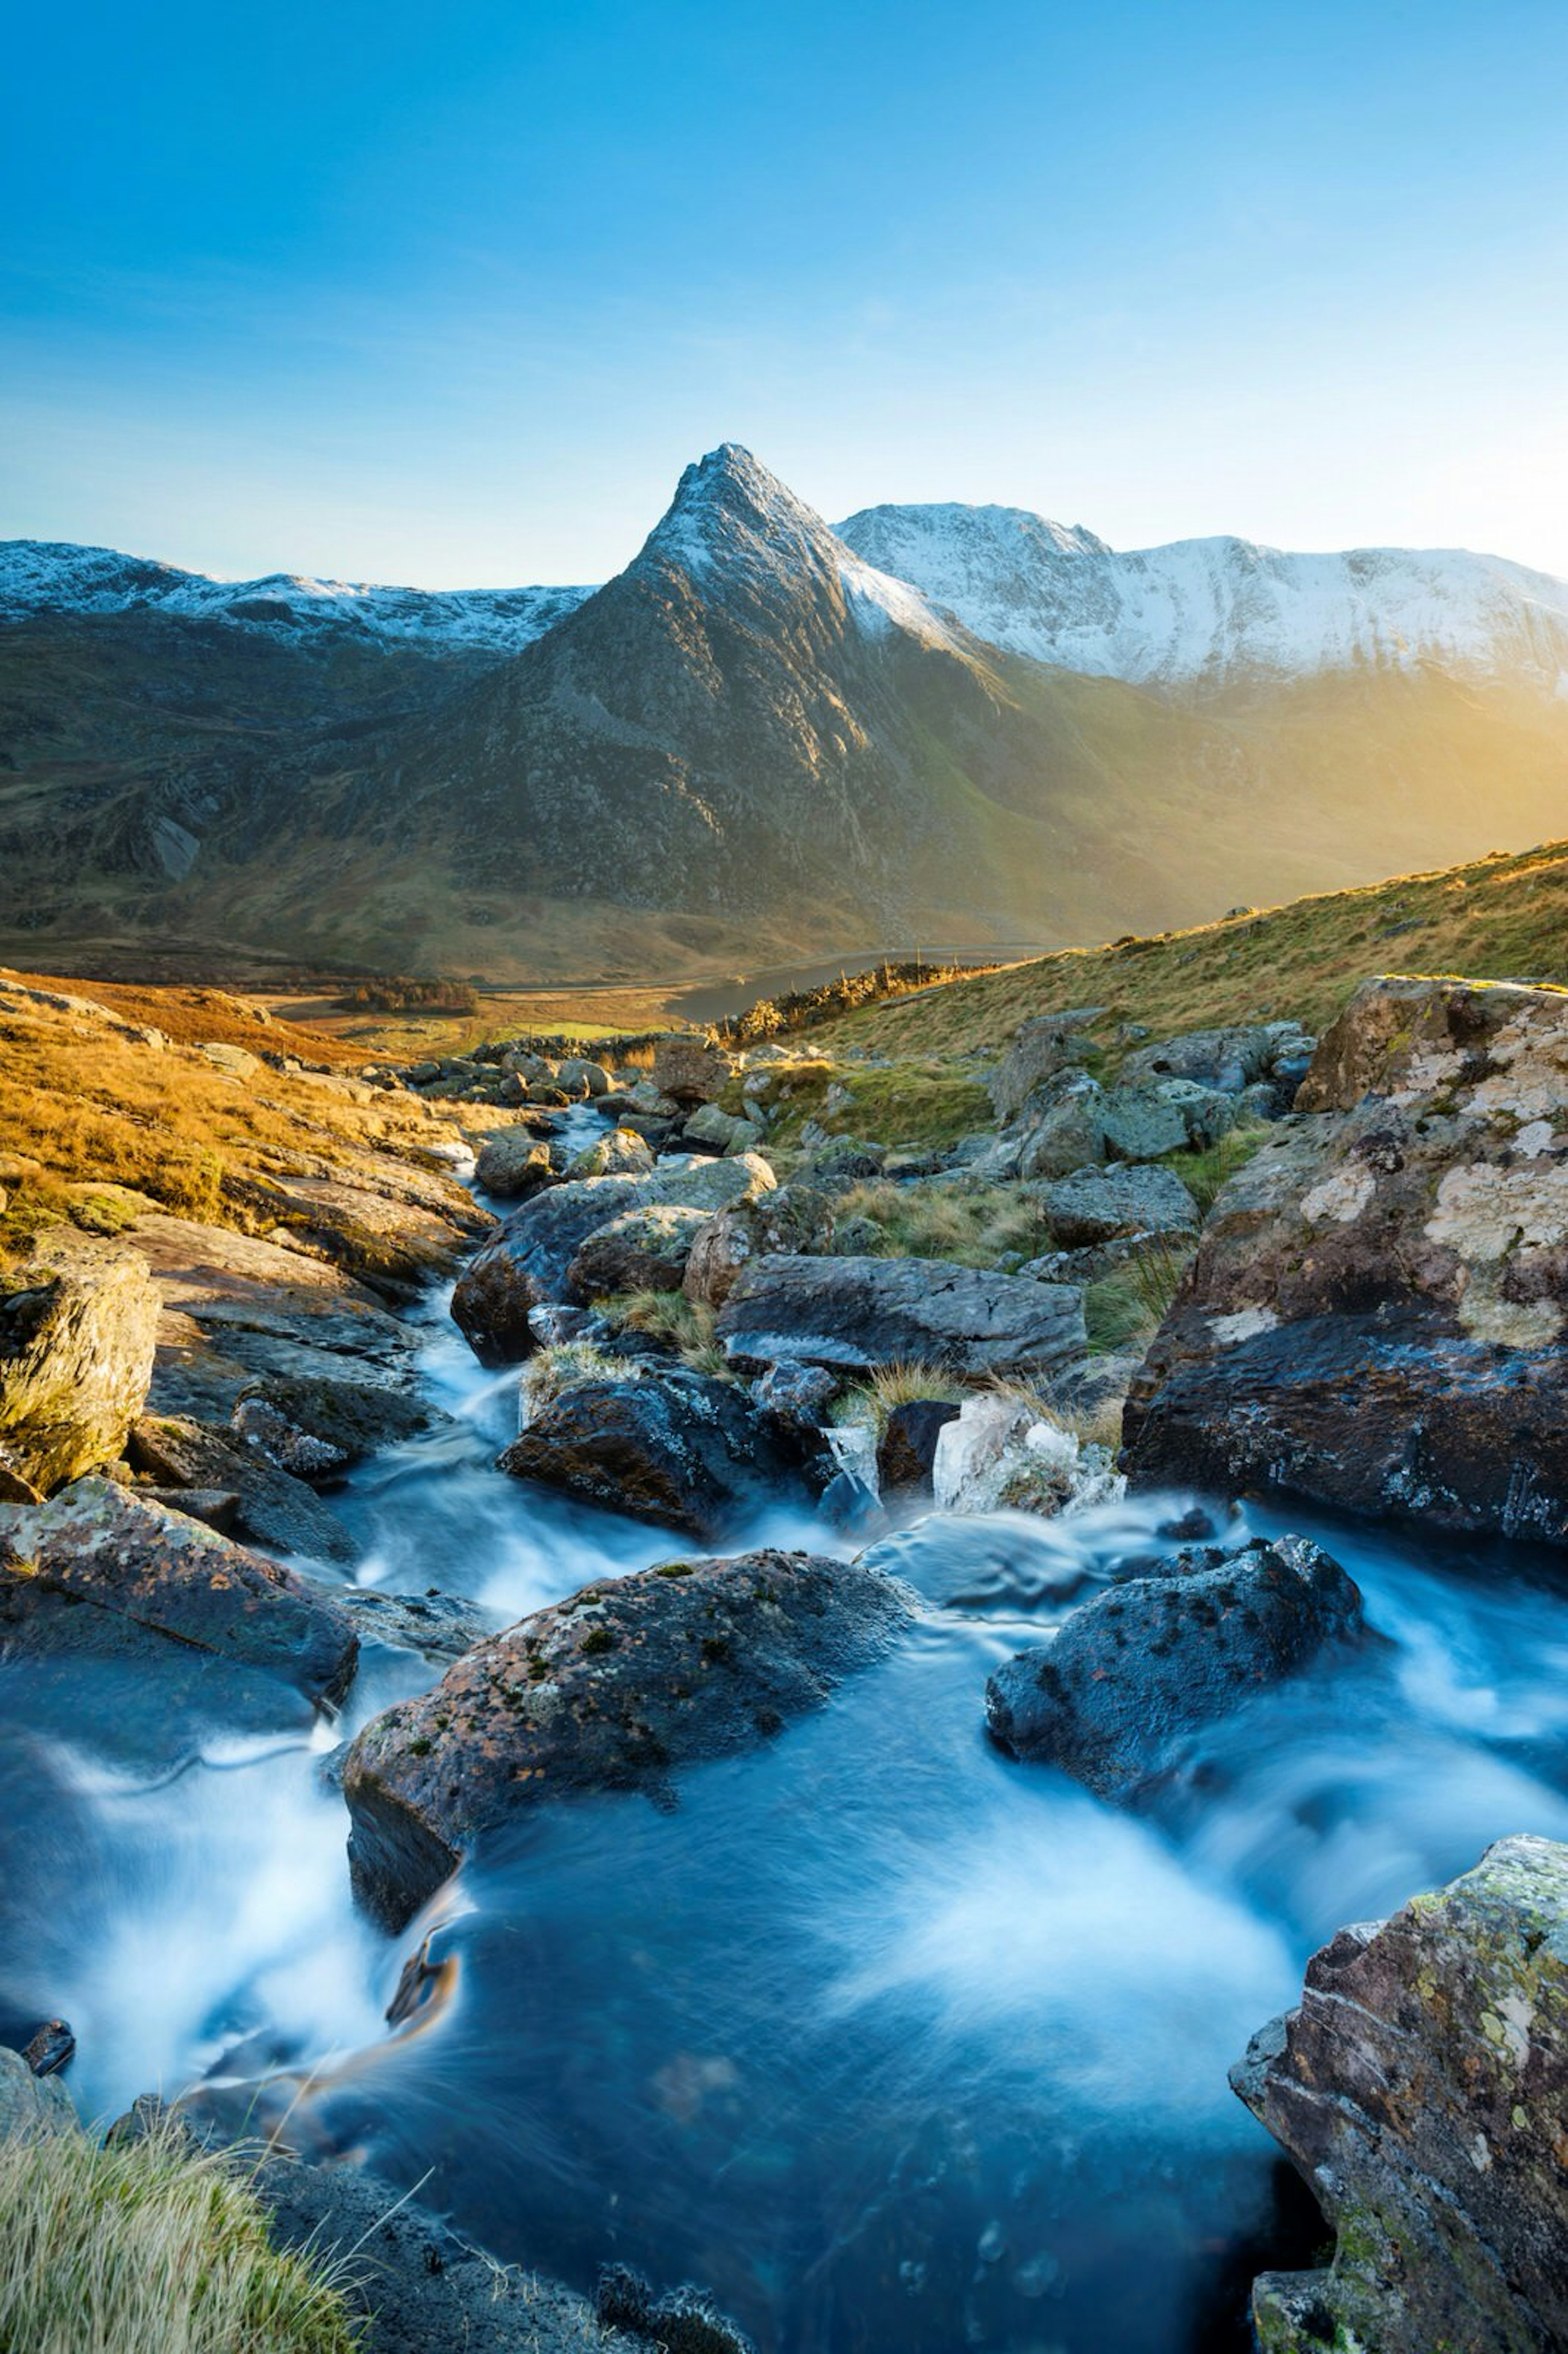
x: 615, y: 1689
x: 859, y: 1313
x: 530, y: 1260
x: 98, y: 1571
x: 78, y: 1332
x: 1376, y: 1316
x: 1422, y: 2089
x: 675, y: 1448
x: 1111, y: 1698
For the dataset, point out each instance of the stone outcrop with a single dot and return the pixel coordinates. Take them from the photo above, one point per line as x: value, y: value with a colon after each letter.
x: 98, y: 1570
x: 797, y: 1218
x: 857, y: 1313
x: 616, y: 1689
x: 677, y: 1449
x: 1376, y: 1316
x: 1101, y: 1205
x: 78, y: 1333
x: 272, y: 1507
x: 1037, y: 1051
x: 1422, y: 2089
x: 1113, y: 1696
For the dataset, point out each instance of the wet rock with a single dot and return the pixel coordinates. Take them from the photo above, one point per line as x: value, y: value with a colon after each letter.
x: 1376, y: 1313
x: 858, y: 1313
x: 1101, y: 1205
x: 150, y: 1575
x: 29, y: 2104
x: 257, y: 1425
x: 693, y: 1070
x: 1422, y: 2088
x: 439, y: 1626
x: 642, y: 1250
x: 680, y: 1450
x: 1135, y: 1671
x: 906, y: 1450
x: 682, y: 2321
x: 514, y: 1163
x: 799, y: 1395
x: 218, y: 1507
x: 51, y: 2048
x: 350, y: 1417
x: 529, y: 1264
x: 616, y: 1689
x: 78, y: 1332
x: 275, y: 1508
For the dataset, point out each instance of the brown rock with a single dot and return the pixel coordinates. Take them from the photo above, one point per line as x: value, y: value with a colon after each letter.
x: 78, y: 1332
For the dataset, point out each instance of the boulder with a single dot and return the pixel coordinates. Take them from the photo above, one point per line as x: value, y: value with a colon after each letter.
x: 29, y: 2104
x: 642, y: 1250
x: 576, y: 1071
x: 78, y: 1333
x: 859, y: 1313
x: 621, y: 1153
x: 1064, y: 1130
x: 794, y: 1217
x: 1099, y: 1205
x: 1375, y: 1316
x: 1133, y: 1672
x: 1422, y: 2089
x: 514, y: 1163
x: 529, y: 1261
x: 615, y: 1689
x: 680, y: 1450
x: 1232, y: 1060
x: 150, y: 1575
x: 352, y: 1417
x: 907, y: 1448
x: 691, y: 1070
x: 799, y: 1395
x: 1037, y: 1051
x: 725, y: 1131
x: 273, y: 1507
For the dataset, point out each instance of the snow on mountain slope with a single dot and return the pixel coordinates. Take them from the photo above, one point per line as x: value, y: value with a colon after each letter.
x: 40, y: 577
x: 1211, y: 611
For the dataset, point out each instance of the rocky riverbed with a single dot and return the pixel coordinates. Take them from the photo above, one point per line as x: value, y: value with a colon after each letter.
x: 815, y: 1833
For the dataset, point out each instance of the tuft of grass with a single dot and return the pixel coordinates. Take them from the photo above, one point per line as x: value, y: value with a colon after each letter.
x: 973, y: 1224
x: 1204, y: 1174
x: 685, y: 1326
x: 153, y: 2243
x: 549, y: 1373
x: 1125, y: 1308
x: 873, y: 1400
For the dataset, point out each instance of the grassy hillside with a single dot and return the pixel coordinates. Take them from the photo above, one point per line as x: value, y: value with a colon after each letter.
x: 1500, y: 919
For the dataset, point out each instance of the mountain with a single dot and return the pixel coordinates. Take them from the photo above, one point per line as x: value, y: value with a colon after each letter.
x: 756, y: 743
x: 40, y: 577
x: 1211, y: 612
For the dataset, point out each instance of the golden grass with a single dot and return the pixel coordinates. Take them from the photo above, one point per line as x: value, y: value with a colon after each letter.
x: 1498, y: 918
x: 972, y: 1225
x: 152, y: 2244
x: 684, y: 1325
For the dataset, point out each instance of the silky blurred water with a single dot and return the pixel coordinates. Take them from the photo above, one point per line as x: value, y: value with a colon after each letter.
x: 892, y: 2043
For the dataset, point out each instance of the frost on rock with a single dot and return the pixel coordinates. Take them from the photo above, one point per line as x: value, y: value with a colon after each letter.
x: 1002, y: 1450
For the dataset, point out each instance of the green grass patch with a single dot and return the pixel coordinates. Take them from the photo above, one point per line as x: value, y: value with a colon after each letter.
x: 152, y: 2243
x: 1206, y: 1173
x: 683, y: 1325
x: 971, y: 1223
x: 1126, y: 1307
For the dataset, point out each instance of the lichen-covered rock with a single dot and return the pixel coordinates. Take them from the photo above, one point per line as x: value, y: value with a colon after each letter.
x: 642, y: 1250
x: 1271, y: 1054
x: 680, y: 1450
x: 1036, y: 1052
x: 1376, y: 1315
x: 146, y: 1575
x: 78, y: 1333
x: 725, y: 1131
x: 1134, y: 1671
x: 615, y: 1689
x: 797, y: 1218
x: 514, y: 1163
x: 858, y: 1313
x: 691, y: 1070
x: 1422, y: 2088
x: 621, y: 1153
x: 1099, y: 1205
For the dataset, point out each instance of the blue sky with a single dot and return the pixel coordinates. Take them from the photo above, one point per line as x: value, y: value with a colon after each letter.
x: 450, y: 293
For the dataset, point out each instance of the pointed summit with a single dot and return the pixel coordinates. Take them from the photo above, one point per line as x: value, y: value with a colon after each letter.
x: 729, y: 508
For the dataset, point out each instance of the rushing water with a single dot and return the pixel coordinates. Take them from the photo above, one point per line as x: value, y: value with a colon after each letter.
x: 898, y: 2047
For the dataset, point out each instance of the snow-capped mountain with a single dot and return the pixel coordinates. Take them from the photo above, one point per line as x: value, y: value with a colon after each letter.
x: 763, y: 739
x: 50, y: 576
x: 1209, y: 612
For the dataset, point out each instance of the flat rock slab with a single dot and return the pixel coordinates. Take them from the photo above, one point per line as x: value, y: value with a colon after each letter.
x: 1422, y: 2089
x: 98, y: 1561
x: 1377, y: 1316
x: 859, y: 1313
x: 615, y: 1689
x: 1133, y: 1671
